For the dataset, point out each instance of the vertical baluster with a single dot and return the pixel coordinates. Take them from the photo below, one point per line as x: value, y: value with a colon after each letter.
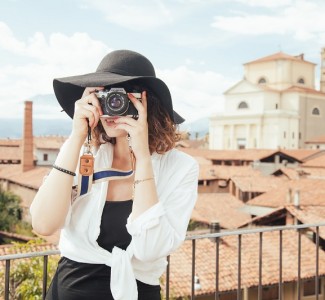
x: 239, y: 268
x: 317, y: 264
x: 217, y: 297
x: 280, y: 265
x: 7, y: 279
x: 299, y: 265
x: 45, y: 262
x: 260, y: 266
x: 167, y: 277
x: 193, y: 269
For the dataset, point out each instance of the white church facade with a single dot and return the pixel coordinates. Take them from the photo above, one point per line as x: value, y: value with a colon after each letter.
x: 275, y: 106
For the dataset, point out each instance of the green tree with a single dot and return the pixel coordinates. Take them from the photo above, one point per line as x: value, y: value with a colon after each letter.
x: 26, y: 275
x: 10, y: 211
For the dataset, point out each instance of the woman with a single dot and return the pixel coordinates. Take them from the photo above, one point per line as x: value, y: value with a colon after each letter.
x: 116, y: 231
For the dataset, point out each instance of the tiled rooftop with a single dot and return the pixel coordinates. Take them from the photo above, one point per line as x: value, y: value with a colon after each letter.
x: 278, y: 56
x: 221, y: 207
x: 211, y: 172
x: 258, y: 184
x: 32, y: 178
x: 241, y: 155
x: 180, y: 262
x: 317, y: 162
x: 312, y: 192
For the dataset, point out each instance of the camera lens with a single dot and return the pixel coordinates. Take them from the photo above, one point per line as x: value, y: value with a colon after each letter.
x: 117, y: 104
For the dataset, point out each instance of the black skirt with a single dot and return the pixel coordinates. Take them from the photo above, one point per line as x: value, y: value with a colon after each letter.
x: 81, y: 281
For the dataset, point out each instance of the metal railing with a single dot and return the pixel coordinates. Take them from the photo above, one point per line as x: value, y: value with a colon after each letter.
x: 217, y: 237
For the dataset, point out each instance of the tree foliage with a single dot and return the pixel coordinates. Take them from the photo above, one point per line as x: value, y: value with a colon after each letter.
x: 26, y: 275
x: 10, y: 211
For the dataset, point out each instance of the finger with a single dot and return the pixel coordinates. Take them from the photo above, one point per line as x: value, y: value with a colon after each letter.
x: 124, y: 127
x: 89, y: 112
x: 126, y: 120
x: 93, y: 100
x: 90, y: 90
x: 144, y: 100
x: 138, y: 105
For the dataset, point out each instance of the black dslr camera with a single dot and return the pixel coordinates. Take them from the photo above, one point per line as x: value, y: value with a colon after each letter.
x: 115, y: 102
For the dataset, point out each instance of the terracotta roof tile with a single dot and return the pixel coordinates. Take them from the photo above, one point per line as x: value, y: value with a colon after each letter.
x: 278, y: 56
x: 318, y: 162
x: 10, y: 153
x: 211, y: 172
x: 309, y: 215
x: 49, y: 142
x: 241, y: 155
x: 32, y: 178
x: 314, y: 172
x: 221, y: 207
x: 180, y: 262
x: 10, y: 142
x: 258, y: 184
x: 302, y: 89
x: 312, y: 192
x: 290, y: 173
x: 191, y: 143
x: 301, y: 154
x: 316, y: 140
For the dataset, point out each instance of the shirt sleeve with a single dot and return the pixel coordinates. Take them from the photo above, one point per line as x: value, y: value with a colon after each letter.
x: 162, y: 228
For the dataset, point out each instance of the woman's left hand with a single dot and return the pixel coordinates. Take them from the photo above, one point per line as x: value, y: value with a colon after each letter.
x: 137, y: 129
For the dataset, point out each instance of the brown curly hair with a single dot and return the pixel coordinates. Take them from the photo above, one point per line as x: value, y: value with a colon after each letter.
x: 163, y: 132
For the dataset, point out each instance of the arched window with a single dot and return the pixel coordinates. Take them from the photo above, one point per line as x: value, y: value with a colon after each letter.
x: 262, y: 80
x: 242, y: 105
x: 301, y: 80
x: 316, y: 111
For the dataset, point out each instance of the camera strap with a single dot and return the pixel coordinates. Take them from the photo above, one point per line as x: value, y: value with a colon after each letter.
x: 87, y: 175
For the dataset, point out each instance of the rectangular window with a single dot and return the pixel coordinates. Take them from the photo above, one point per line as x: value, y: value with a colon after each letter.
x: 284, y: 134
x: 299, y: 135
x: 293, y: 135
x: 270, y: 293
x: 310, y: 287
x: 45, y: 157
x: 241, y: 143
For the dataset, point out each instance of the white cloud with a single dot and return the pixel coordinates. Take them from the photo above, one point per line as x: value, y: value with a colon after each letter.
x: 266, y: 3
x: 301, y: 19
x: 135, y: 15
x: 46, y: 58
x: 195, y: 94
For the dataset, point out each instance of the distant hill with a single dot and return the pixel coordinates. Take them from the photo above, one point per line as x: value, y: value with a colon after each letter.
x: 49, y: 120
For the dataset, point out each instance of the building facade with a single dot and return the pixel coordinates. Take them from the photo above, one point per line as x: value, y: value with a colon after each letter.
x: 275, y: 106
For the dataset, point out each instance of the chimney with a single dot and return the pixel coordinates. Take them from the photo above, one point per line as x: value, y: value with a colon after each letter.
x: 27, y: 143
x: 296, y: 199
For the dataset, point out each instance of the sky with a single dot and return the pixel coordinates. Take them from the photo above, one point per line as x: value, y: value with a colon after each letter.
x: 198, y: 47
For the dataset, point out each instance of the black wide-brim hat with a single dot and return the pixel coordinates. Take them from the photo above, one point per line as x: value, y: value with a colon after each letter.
x: 118, y: 66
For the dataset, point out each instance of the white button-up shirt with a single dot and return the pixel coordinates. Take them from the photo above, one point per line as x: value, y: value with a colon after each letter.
x: 155, y: 233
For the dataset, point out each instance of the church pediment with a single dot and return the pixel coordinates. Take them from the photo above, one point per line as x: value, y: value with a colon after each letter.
x: 243, y: 87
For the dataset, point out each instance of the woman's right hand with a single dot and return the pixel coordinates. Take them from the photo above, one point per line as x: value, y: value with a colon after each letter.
x: 87, y: 110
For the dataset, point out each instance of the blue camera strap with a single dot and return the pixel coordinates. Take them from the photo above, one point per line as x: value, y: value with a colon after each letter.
x: 87, y: 175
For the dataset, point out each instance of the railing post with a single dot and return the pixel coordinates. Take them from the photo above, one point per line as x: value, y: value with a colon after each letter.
x: 167, y: 277
x: 239, y: 268
x: 317, y: 264
x: 299, y: 266
x: 193, y: 270
x: 45, y: 263
x: 7, y: 279
x: 260, y: 262
x: 217, y: 269
x: 280, y: 264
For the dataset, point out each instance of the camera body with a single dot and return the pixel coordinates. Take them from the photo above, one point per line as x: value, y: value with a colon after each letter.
x: 115, y: 102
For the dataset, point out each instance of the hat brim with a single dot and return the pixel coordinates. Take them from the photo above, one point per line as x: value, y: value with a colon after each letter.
x: 69, y: 89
